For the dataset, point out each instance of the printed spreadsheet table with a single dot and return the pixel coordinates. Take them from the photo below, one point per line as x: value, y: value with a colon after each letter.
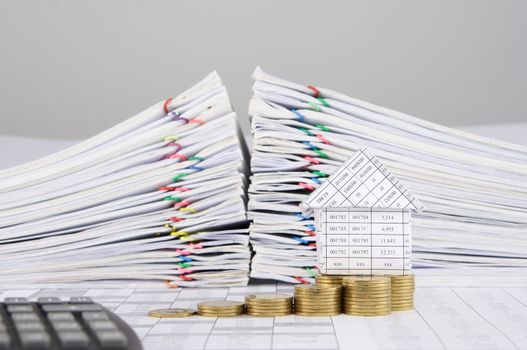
x: 363, y: 241
x: 466, y: 312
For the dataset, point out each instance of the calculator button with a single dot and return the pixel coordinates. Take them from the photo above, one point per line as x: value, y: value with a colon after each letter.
x: 71, y: 307
x: 29, y: 326
x: 112, y: 339
x: 5, y: 341
x: 19, y: 308
x: 34, y: 340
x: 60, y: 316
x: 102, y: 325
x: 15, y: 301
x: 66, y: 326
x: 81, y: 300
x: 73, y: 339
x: 95, y: 316
x: 25, y: 317
x: 49, y: 300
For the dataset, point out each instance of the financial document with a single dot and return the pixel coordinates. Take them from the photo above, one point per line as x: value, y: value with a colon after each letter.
x: 486, y: 310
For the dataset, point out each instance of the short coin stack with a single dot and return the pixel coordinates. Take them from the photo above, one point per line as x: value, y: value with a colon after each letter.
x: 313, y: 300
x: 403, y: 288
x: 221, y: 308
x: 367, y: 296
x: 329, y: 280
x: 269, y: 305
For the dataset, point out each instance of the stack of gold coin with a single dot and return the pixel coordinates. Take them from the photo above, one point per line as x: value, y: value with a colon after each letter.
x: 403, y: 288
x: 221, y: 308
x: 367, y: 296
x: 318, y: 300
x: 269, y: 305
x: 329, y: 280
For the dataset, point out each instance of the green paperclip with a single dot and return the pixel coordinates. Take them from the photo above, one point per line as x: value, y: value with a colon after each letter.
x: 321, y: 154
x: 196, y: 158
x: 178, y: 177
x: 319, y: 173
x: 310, y: 271
x: 307, y: 132
x: 170, y: 198
x: 322, y: 127
x: 314, y: 106
x: 324, y: 102
x: 182, y: 264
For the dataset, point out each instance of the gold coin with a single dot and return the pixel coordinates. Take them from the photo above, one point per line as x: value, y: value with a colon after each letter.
x: 409, y: 277
x: 269, y: 309
x: 220, y: 304
x: 367, y: 279
x: 318, y: 302
x: 368, y: 314
x: 311, y: 314
x: 219, y: 315
x: 405, y: 303
x: 403, y: 307
x: 171, y: 313
x: 275, y: 314
x: 268, y: 298
x: 315, y: 288
x: 372, y: 295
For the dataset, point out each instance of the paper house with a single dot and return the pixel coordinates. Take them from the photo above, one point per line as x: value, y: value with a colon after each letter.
x: 363, y: 220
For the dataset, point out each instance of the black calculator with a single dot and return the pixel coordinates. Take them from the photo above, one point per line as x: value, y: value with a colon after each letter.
x: 51, y: 323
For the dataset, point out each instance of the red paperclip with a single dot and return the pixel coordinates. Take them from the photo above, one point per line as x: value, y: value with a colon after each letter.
x: 181, y: 189
x: 184, y: 270
x: 196, y: 245
x: 199, y: 121
x: 306, y: 186
x: 315, y: 90
x: 311, y: 160
x: 167, y: 188
x: 322, y: 138
x: 301, y: 280
x: 165, y: 105
x: 179, y: 156
x: 310, y: 232
x: 185, y: 278
x: 176, y: 219
x: 183, y: 203
x: 182, y: 252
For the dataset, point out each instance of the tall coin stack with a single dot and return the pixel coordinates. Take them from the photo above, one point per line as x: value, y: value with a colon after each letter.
x: 367, y: 296
x: 403, y: 288
x: 313, y: 300
x: 269, y: 305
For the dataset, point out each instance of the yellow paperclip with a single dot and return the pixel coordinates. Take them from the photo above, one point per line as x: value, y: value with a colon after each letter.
x: 188, y: 238
x: 178, y: 233
x: 171, y: 138
x: 188, y: 210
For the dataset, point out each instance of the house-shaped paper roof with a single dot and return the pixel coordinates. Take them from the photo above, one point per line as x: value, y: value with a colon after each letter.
x: 362, y: 182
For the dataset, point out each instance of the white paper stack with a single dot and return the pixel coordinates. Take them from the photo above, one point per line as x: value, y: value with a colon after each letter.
x: 160, y: 196
x: 474, y: 188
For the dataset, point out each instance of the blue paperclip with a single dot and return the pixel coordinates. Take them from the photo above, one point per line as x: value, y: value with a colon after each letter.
x: 302, y: 216
x: 299, y: 115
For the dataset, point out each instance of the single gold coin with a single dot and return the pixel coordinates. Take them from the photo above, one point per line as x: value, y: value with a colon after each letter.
x: 270, y: 314
x: 171, y: 313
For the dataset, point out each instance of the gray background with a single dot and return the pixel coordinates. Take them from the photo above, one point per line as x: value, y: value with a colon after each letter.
x: 69, y: 69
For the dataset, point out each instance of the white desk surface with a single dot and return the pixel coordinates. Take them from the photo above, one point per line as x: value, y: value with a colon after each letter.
x: 455, y: 309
